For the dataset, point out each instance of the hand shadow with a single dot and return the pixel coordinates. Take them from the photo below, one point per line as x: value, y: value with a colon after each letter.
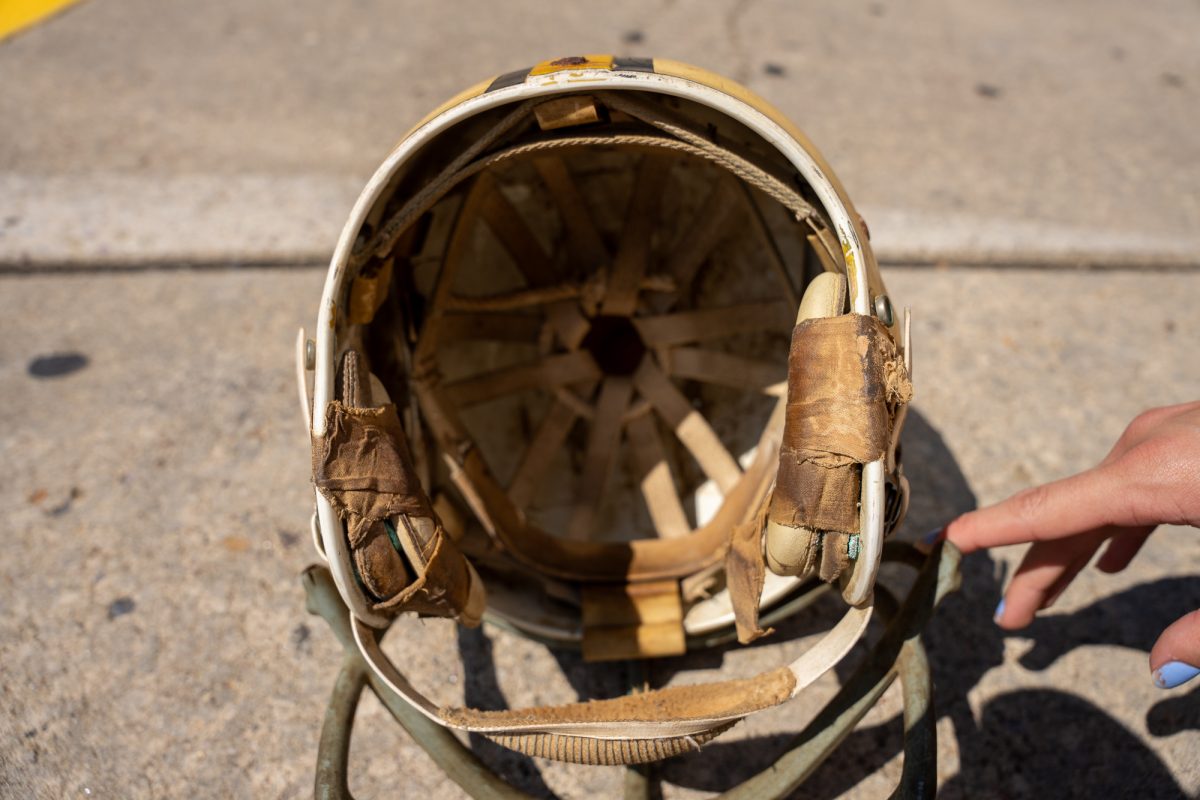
x: 1175, y: 714
x: 1133, y: 618
x: 1040, y: 742
x: 1046, y: 743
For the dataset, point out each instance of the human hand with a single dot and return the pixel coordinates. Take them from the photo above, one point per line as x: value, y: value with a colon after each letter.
x: 1150, y: 477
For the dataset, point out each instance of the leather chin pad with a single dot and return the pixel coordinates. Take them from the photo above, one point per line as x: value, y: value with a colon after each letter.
x: 797, y: 551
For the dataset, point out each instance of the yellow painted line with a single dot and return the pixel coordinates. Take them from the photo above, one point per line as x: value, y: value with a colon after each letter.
x: 17, y: 15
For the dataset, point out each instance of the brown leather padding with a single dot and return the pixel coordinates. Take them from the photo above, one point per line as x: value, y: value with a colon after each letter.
x: 380, y: 568
x: 363, y: 467
x: 723, y: 700
x: 443, y: 587
x: 817, y: 496
x: 837, y: 420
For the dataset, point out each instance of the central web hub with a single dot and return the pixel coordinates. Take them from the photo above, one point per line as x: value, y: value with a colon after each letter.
x: 615, y: 344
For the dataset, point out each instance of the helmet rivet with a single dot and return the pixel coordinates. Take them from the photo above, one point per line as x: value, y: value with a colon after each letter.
x: 883, y: 309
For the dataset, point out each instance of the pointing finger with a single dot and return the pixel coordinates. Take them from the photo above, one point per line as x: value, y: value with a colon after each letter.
x: 1176, y: 654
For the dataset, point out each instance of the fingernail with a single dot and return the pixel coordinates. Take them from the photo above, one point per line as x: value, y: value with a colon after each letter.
x: 932, y: 536
x: 999, y: 611
x: 1174, y: 673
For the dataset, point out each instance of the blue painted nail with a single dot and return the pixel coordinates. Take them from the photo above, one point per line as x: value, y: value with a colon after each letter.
x: 932, y: 536
x: 1174, y: 673
x: 999, y: 611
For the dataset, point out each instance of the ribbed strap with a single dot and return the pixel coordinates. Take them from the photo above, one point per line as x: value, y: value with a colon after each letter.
x: 636, y: 728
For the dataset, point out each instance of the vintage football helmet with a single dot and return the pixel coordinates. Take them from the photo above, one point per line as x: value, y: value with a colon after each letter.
x: 603, y: 355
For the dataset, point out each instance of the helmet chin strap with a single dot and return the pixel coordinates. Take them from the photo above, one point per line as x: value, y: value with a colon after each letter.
x: 635, y: 728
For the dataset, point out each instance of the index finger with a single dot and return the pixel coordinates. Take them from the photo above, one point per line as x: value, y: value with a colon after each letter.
x: 1054, y: 510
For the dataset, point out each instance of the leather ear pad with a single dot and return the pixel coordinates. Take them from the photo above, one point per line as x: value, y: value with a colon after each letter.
x: 401, y: 554
x: 797, y: 551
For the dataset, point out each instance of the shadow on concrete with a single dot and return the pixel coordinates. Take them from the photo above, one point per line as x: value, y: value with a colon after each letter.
x: 1175, y: 714
x: 1027, y: 743
x: 482, y: 690
x: 1134, y: 619
x: 1044, y: 743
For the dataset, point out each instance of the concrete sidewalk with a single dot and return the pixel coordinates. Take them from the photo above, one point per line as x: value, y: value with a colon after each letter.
x: 1026, y: 132
x: 153, y: 636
